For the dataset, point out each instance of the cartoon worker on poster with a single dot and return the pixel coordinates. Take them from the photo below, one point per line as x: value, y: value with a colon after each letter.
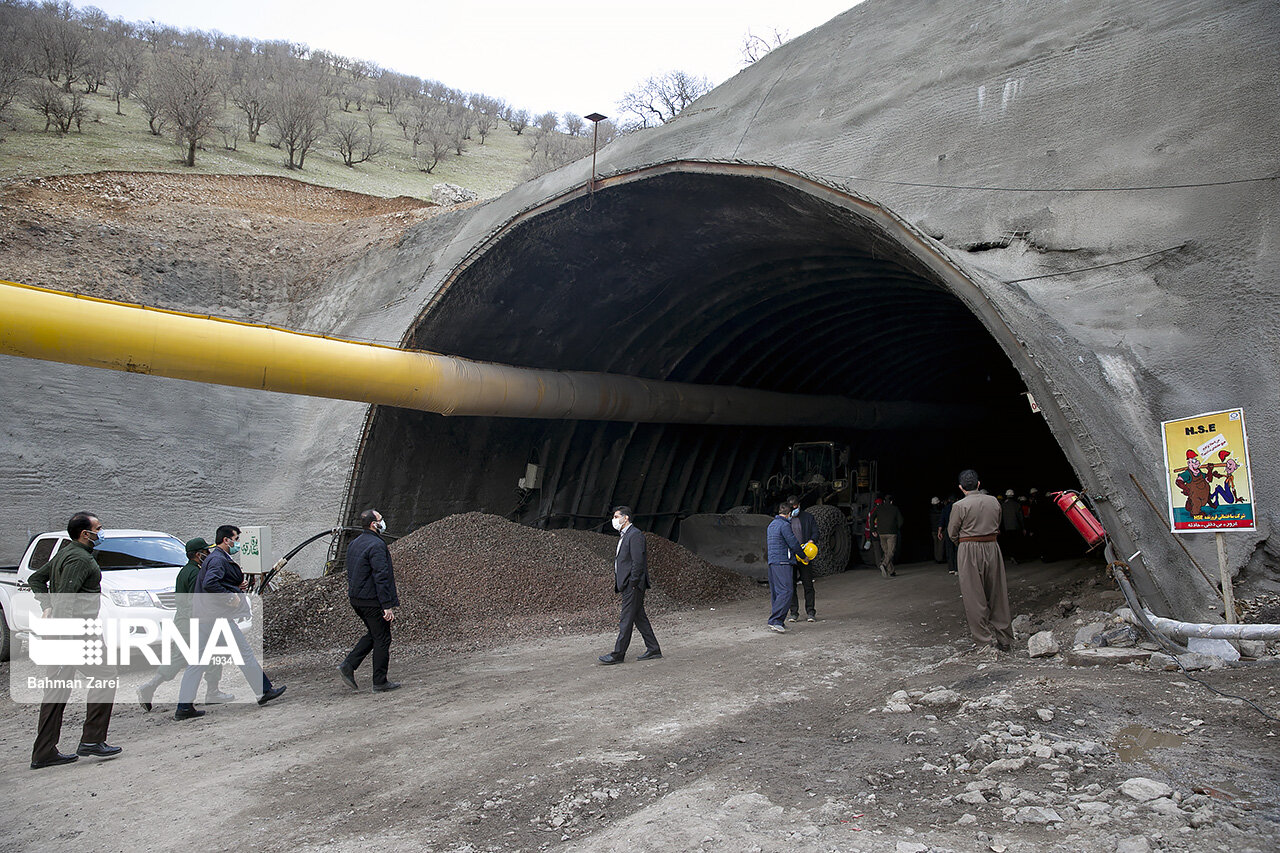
x: 1207, y: 473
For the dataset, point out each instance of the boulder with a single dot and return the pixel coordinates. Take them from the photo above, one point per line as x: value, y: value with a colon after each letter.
x: 1106, y: 656
x: 451, y: 194
x: 1123, y: 636
x: 1089, y: 636
x: 1007, y: 765
x: 1161, y: 661
x: 1144, y: 790
x: 940, y: 698
x: 1253, y: 648
x: 1193, y: 661
x: 1133, y: 844
x: 1042, y: 645
x: 1022, y: 625
x: 1218, y: 648
x: 1038, y: 814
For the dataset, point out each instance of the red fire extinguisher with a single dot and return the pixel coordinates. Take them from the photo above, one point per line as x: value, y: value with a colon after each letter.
x: 1080, y: 517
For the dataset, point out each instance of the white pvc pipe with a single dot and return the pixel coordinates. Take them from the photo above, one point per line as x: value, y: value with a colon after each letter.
x: 1207, y: 630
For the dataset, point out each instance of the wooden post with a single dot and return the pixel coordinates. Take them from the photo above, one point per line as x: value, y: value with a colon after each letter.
x: 1228, y: 594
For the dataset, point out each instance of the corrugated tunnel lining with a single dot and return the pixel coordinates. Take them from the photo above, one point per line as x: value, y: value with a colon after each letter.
x: 719, y: 278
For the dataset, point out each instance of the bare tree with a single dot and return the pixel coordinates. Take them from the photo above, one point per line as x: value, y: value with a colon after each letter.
x: 660, y: 99
x: 189, y: 86
x: 59, y: 42
x: 487, y: 110
x: 60, y: 109
x: 11, y: 77
x: 547, y: 122
x: 300, y: 113
x: 355, y: 142
x: 230, y: 133
x: 550, y: 150
x: 519, y: 121
x: 97, y: 59
x: 124, y: 58
x: 755, y: 47
x: 253, y: 97
x: 574, y: 124
x: 151, y: 99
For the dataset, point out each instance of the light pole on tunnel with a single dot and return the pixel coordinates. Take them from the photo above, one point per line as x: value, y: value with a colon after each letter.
x: 595, y: 119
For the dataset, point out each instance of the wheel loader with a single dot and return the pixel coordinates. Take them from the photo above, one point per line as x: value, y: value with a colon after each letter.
x: 836, y: 491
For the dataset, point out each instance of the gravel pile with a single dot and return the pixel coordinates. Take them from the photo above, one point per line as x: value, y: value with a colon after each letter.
x: 476, y: 580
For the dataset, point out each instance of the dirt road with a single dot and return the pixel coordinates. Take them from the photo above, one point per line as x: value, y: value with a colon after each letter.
x: 739, y: 739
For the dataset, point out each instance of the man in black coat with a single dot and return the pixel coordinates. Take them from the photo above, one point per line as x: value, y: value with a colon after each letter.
x: 371, y: 587
x: 631, y: 578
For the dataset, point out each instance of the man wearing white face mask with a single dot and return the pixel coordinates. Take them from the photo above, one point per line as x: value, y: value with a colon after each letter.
x: 631, y: 578
x: 371, y: 587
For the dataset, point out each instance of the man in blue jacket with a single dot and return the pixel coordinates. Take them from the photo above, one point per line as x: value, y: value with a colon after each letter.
x: 371, y: 588
x: 783, y: 547
x: 805, y: 527
x: 219, y: 589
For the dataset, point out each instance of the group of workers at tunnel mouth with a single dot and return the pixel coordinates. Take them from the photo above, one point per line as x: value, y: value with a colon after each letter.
x: 975, y: 535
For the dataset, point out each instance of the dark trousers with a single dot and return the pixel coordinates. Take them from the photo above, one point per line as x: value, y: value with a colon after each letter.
x: 377, y: 638
x: 97, y: 710
x: 634, y: 618
x: 802, y: 575
x: 950, y: 545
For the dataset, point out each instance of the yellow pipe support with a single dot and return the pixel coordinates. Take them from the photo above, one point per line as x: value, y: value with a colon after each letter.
x: 54, y: 326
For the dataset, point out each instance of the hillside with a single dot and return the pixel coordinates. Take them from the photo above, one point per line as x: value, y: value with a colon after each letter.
x: 114, y: 142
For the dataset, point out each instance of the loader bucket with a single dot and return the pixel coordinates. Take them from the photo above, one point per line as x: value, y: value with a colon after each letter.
x: 731, y: 541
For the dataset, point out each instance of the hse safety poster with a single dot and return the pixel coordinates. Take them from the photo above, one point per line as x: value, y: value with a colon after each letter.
x: 1207, y: 473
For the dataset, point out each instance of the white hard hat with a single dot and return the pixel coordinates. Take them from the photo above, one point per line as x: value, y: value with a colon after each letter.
x: 934, y: 501
x: 1034, y: 490
x: 1008, y: 493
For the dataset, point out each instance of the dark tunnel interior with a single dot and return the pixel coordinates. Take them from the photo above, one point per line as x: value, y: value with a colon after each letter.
x: 726, y: 279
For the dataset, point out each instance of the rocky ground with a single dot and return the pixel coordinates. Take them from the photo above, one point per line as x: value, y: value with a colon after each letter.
x: 244, y: 247
x: 876, y: 728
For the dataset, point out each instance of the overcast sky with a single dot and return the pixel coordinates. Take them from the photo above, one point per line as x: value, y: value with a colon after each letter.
x: 561, y: 55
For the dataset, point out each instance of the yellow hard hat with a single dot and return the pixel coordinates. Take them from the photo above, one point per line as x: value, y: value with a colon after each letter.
x: 807, y: 552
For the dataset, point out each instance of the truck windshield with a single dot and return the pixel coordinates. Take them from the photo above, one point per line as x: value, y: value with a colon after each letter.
x: 139, y: 552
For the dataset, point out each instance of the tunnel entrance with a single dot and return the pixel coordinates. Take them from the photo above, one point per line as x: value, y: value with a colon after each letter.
x: 714, y: 274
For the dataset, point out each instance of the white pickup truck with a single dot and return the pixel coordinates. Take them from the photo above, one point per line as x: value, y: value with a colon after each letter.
x: 139, y: 568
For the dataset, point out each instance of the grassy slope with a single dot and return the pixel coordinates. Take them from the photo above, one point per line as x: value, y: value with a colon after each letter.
x: 123, y: 142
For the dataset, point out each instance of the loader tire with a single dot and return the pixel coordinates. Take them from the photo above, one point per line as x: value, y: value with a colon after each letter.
x: 834, y: 543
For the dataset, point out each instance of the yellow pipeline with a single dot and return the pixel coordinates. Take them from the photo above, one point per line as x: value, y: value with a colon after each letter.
x: 54, y: 326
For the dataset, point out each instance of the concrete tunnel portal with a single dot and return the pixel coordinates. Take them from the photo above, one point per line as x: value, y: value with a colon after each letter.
x: 710, y: 273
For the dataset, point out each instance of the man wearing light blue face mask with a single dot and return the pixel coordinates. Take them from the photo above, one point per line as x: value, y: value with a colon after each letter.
x: 220, y: 579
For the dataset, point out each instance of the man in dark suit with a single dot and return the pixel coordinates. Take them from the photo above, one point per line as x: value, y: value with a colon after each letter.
x: 631, y: 578
x: 371, y: 588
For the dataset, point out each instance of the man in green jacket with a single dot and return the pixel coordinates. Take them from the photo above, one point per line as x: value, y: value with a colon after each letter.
x: 184, y: 587
x: 75, y: 580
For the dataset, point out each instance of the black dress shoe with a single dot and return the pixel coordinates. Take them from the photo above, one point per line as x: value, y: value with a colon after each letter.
x: 349, y: 676
x: 101, y: 750
x: 383, y: 688
x: 182, y: 713
x: 650, y: 655
x: 609, y: 659
x: 273, y: 693
x: 58, y: 758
